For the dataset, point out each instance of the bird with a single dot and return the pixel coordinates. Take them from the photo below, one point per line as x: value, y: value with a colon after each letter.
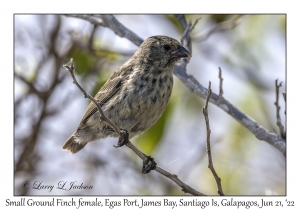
x: 135, y: 95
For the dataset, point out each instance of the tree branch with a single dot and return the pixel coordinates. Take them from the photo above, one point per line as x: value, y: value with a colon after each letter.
x: 278, y: 123
x: 186, y: 188
x: 284, y: 97
x: 210, y: 162
x: 30, y: 85
x: 195, y: 87
x: 111, y: 22
x: 221, y: 83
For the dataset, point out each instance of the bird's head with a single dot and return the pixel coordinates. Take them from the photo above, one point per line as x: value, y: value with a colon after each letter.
x: 164, y: 51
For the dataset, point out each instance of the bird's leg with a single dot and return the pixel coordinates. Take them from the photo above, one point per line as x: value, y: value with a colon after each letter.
x: 123, y: 139
x: 148, y: 165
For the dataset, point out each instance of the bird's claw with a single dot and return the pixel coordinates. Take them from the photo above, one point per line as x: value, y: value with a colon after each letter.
x: 148, y: 165
x: 123, y: 139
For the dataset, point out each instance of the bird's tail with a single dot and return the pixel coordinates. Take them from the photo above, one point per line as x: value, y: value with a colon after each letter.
x: 72, y: 145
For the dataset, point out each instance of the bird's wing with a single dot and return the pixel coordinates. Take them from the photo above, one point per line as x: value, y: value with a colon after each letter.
x: 108, y: 90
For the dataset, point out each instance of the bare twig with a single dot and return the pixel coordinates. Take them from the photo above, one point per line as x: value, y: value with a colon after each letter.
x: 195, y: 23
x: 278, y: 123
x: 221, y: 83
x: 70, y: 67
x: 210, y: 162
x: 187, y: 27
x: 181, y: 19
x: 186, y: 188
x: 92, y: 36
x: 195, y: 87
x: 219, y: 27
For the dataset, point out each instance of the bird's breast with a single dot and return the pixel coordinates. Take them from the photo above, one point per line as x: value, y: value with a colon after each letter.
x: 144, y: 97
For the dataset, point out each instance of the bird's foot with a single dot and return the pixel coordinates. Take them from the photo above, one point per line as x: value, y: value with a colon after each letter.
x: 148, y: 165
x: 123, y: 139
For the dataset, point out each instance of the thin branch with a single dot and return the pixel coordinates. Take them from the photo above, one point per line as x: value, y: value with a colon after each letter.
x: 111, y: 22
x: 186, y: 188
x: 70, y: 67
x: 221, y: 83
x: 92, y: 36
x: 195, y: 23
x: 225, y: 25
x: 210, y: 162
x: 284, y: 97
x: 195, y: 87
x: 30, y: 85
x: 278, y: 123
x: 181, y: 19
x: 188, y: 28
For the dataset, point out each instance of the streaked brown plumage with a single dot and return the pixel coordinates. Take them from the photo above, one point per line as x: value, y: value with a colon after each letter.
x: 135, y: 96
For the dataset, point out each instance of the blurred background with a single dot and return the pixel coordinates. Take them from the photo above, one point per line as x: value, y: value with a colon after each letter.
x: 48, y: 107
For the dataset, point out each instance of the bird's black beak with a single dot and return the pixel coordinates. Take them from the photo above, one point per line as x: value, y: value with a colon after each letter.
x: 181, y: 53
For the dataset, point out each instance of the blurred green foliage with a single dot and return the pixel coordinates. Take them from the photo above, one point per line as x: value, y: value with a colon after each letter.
x: 148, y: 141
x: 220, y: 17
x: 84, y: 62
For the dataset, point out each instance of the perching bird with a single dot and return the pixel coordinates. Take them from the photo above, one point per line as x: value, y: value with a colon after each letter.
x: 135, y: 96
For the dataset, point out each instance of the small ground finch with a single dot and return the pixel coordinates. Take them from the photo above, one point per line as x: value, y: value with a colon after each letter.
x: 135, y: 96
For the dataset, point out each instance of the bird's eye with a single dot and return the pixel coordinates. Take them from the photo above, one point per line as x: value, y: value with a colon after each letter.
x: 167, y: 47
